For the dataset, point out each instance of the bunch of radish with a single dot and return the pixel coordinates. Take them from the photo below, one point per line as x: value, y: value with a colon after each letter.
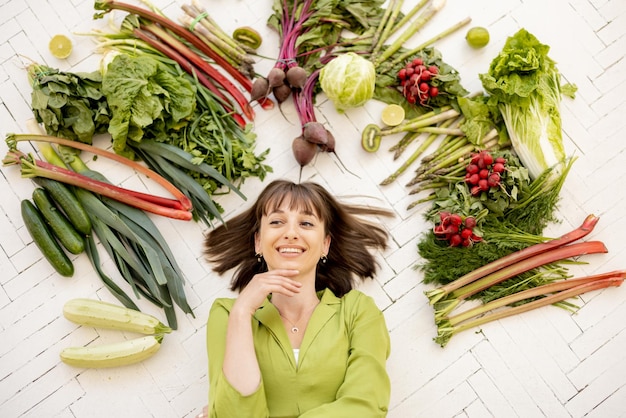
x: 456, y: 229
x: 484, y: 172
x: 416, y: 81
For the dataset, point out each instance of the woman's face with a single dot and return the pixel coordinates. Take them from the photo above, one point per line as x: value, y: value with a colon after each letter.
x: 292, y: 238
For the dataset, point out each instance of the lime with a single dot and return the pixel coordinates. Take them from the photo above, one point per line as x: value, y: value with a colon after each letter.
x: 477, y: 37
x: 60, y: 46
x: 392, y: 115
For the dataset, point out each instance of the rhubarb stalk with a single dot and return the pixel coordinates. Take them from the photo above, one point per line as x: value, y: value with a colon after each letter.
x: 184, y: 200
x: 445, y: 330
x: 546, y: 257
x: 587, y: 226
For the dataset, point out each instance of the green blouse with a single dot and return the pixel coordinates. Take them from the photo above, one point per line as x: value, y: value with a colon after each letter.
x: 340, y: 372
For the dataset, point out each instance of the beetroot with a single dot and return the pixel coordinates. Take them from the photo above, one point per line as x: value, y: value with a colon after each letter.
x: 303, y: 150
x: 315, y: 132
x: 296, y: 77
x: 260, y: 89
x: 329, y: 146
x: 281, y: 92
x: 276, y: 77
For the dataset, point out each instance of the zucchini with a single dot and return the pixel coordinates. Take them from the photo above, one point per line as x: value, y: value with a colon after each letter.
x: 113, y: 354
x: 68, y: 202
x: 45, y: 240
x: 99, y: 314
x: 58, y: 222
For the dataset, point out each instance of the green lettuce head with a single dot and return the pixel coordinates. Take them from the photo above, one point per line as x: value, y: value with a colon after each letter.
x: 348, y: 81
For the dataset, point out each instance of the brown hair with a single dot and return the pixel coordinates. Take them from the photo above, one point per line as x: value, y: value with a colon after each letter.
x: 232, y: 245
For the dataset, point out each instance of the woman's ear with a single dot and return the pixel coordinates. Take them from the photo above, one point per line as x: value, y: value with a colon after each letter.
x: 257, y: 245
x: 326, y: 244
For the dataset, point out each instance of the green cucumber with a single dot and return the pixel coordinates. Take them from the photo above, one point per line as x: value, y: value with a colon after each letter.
x: 69, y: 204
x: 58, y: 222
x: 45, y: 240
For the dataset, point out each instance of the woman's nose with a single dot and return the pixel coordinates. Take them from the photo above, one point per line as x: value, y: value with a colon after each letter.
x: 291, y: 231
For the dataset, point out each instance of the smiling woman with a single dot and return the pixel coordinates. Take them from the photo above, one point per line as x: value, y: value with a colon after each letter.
x: 298, y: 340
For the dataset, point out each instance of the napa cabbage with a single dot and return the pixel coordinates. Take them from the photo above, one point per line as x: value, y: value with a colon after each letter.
x: 524, y: 84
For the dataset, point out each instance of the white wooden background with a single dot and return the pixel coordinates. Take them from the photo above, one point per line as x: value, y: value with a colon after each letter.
x: 544, y: 363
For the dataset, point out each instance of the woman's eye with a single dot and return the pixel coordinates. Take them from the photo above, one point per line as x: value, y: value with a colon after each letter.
x: 307, y: 224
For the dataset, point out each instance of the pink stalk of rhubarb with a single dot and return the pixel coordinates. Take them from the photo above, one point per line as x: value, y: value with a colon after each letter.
x: 440, y: 292
x: 445, y: 331
x: 545, y: 289
x: 546, y: 257
x: 154, y: 204
x: 163, y: 182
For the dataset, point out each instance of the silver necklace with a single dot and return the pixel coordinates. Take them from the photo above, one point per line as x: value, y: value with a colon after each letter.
x: 294, y: 327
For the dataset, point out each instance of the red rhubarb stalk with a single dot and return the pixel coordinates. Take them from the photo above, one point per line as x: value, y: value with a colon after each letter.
x: 37, y: 168
x: 587, y: 226
x: 163, y: 182
x: 446, y: 331
x: 532, y: 293
x: 546, y: 257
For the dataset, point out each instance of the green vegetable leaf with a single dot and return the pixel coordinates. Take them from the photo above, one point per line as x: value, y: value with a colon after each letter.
x: 142, y: 94
x: 524, y: 84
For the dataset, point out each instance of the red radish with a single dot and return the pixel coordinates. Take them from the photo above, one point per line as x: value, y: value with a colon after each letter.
x: 455, y: 240
x: 472, y: 168
x: 498, y: 168
x: 470, y: 222
x: 493, y: 180
x: 455, y: 219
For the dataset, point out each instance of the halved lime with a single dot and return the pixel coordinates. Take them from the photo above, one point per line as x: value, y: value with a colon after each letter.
x: 392, y: 115
x: 477, y: 37
x: 60, y: 46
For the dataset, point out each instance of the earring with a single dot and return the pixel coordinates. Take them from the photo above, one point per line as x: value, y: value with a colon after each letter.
x: 323, y: 258
x: 259, y: 257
